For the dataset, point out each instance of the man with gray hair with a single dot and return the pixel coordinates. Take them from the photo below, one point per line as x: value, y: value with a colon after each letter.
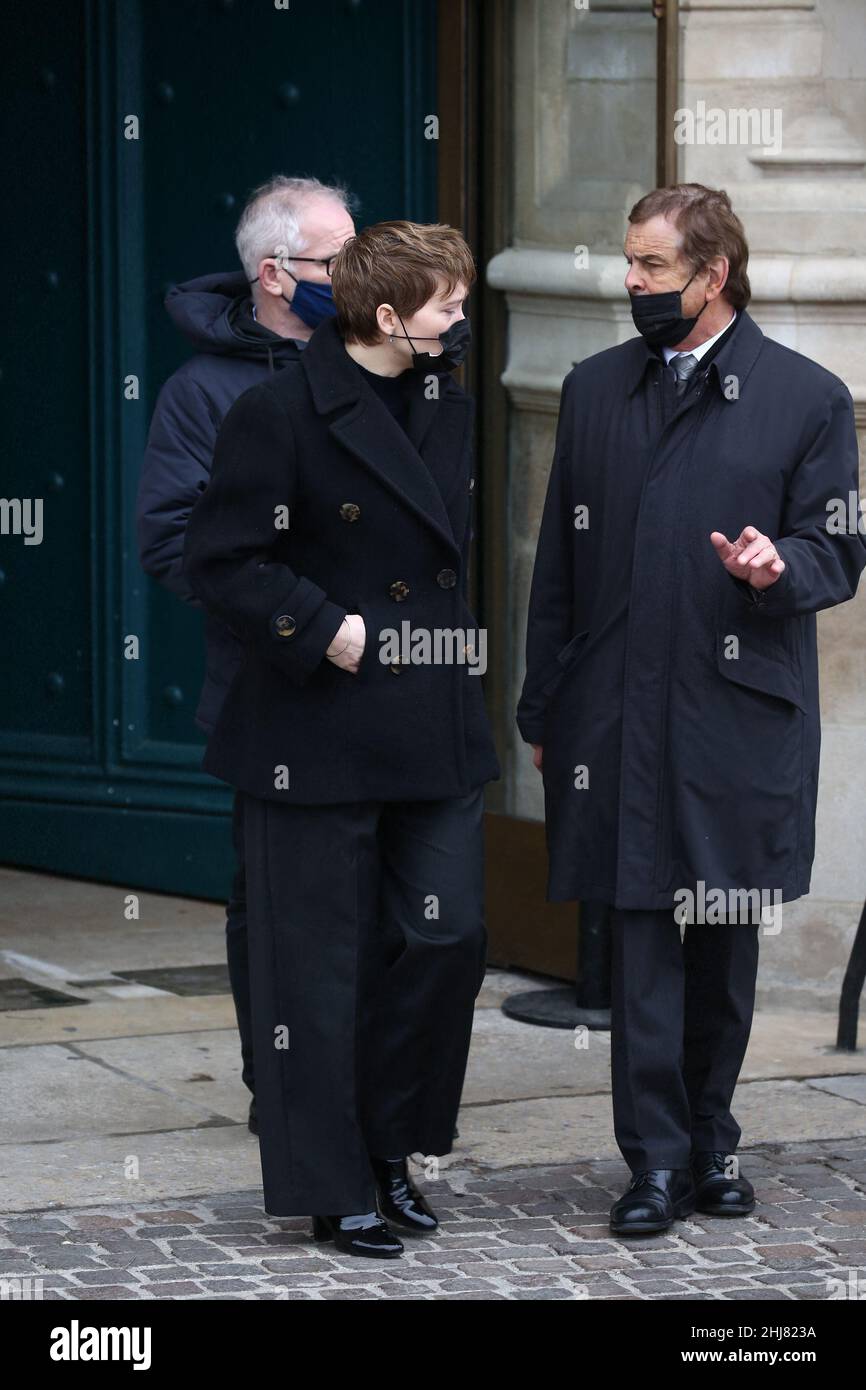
x: 244, y: 325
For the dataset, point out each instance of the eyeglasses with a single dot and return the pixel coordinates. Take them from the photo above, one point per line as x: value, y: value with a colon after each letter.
x: 313, y: 260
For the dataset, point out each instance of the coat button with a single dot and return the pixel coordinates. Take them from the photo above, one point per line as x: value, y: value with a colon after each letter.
x: 471, y: 484
x: 395, y: 668
x: 350, y: 511
x: 399, y: 590
x: 446, y: 579
x: 284, y: 625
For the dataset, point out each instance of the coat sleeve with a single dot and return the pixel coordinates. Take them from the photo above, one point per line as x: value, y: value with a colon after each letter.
x: 823, y: 556
x: 549, y: 619
x: 175, y: 472
x: 229, y: 558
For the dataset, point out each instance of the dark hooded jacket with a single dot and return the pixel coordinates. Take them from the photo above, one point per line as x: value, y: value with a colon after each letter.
x: 233, y: 353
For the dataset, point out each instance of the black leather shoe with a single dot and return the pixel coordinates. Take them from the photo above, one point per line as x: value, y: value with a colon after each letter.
x: 717, y: 1194
x: 253, y: 1121
x: 653, y: 1200
x: 359, y: 1235
x: 399, y: 1199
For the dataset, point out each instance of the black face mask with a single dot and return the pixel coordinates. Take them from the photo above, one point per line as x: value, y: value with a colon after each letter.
x: 659, y: 317
x: 455, y: 345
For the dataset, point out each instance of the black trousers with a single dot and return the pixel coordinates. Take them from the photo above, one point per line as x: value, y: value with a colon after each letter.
x: 367, y: 949
x: 681, y: 1014
x: 237, y: 952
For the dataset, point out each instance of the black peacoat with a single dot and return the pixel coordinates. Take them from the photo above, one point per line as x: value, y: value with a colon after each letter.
x: 678, y: 707
x: 378, y: 524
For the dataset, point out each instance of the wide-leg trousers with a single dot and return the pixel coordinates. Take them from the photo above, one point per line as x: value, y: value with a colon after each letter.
x: 682, y: 1003
x: 237, y: 952
x: 360, y: 1043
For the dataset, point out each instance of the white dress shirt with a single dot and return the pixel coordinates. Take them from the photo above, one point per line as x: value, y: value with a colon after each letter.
x: 697, y: 352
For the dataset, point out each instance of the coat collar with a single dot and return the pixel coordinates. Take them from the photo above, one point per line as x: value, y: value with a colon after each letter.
x: 421, y: 463
x: 734, y: 359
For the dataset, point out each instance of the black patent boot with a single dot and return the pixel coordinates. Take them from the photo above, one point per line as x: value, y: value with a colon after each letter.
x: 400, y: 1202
x: 366, y: 1234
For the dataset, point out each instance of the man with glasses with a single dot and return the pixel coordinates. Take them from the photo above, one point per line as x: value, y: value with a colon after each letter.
x: 245, y: 326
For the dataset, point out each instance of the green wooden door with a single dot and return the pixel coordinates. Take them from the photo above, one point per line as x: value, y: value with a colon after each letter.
x: 99, y: 757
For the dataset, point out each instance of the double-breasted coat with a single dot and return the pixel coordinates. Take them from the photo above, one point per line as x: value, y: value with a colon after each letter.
x: 319, y: 505
x: 676, y: 705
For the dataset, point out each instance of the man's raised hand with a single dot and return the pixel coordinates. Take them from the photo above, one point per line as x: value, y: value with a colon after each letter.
x: 752, y: 556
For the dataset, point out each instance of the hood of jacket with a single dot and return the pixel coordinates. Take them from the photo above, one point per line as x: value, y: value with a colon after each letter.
x: 214, y: 312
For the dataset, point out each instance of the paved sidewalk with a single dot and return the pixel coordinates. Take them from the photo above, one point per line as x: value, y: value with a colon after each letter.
x: 527, y: 1233
x: 122, y: 1114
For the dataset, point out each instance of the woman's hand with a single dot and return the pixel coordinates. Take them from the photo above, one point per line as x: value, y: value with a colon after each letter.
x: 348, y: 644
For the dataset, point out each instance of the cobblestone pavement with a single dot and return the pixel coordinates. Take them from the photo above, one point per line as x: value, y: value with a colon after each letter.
x: 527, y: 1233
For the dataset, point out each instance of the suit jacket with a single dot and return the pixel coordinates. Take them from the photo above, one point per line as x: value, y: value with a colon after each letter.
x: 378, y: 524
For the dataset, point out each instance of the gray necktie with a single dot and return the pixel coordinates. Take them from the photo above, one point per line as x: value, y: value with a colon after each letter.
x: 683, y: 367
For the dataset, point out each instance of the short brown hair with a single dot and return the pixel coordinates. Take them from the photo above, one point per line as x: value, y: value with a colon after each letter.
x: 395, y: 263
x: 709, y: 227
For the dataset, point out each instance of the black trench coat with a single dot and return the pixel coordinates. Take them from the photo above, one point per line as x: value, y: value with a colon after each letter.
x: 378, y: 524
x: 690, y: 700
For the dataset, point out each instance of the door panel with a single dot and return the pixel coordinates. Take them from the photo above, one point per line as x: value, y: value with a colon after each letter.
x: 99, y: 756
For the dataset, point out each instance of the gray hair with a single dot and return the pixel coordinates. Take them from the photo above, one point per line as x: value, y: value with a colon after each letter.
x: 270, y: 223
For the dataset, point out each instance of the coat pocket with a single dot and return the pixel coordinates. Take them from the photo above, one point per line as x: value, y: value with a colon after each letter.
x: 571, y: 648
x: 566, y: 657
x: 769, y: 672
